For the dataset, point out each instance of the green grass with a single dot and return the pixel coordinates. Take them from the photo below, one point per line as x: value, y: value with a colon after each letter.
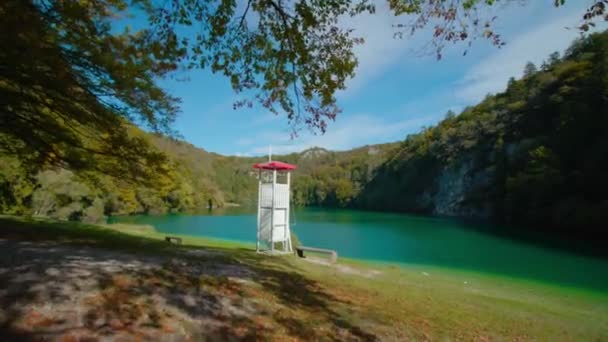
x: 122, y: 236
x: 392, y: 302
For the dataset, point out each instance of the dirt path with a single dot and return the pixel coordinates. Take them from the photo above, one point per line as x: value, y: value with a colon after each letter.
x: 50, y: 291
x: 54, y: 291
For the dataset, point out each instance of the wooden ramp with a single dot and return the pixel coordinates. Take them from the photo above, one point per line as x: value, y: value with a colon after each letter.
x: 333, y: 255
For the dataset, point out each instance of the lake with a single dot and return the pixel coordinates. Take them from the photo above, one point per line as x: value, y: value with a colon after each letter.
x: 408, y: 239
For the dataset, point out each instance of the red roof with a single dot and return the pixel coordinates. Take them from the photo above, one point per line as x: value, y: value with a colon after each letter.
x: 274, y: 165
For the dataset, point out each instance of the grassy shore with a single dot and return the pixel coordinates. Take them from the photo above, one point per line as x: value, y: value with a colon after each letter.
x: 220, y: 289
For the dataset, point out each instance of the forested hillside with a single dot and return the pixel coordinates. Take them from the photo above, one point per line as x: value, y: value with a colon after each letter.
x: 334, y: 179
x: 182, y: 181
x: 187, y: 179
x: 536, y: 154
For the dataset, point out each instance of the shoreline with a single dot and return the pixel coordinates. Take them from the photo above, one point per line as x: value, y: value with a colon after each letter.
x: 133, y: 264
x: 387, y: 264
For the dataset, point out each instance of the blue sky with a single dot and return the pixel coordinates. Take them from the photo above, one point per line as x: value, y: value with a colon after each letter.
x: 397, y: 89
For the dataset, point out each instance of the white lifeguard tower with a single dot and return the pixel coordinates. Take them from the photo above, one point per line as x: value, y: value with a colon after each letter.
x: 274, y: 234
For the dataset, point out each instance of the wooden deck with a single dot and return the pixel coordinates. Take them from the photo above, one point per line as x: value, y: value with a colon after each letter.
x: 333, y: 255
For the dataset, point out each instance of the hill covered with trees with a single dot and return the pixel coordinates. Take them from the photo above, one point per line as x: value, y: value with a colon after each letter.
x: 188, y: 179
x: 534, y: 154
x: 183, y: 178
x: 90, y: 194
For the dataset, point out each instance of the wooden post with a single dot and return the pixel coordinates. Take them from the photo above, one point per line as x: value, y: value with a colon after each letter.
x: 287, y: 237
x: 274, y: 182
x: 257, y: 243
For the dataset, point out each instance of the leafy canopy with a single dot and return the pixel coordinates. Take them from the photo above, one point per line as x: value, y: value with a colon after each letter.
x: 73, y: 73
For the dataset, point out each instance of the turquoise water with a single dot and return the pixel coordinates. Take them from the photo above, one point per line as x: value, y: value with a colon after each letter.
x: 405, y: 239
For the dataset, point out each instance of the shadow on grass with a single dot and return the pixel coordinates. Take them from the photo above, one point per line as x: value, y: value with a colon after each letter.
x: 67, y: 279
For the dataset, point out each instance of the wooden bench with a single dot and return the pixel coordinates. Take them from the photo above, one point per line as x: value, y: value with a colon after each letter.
x: 333, y: 254
x: 173, y: 239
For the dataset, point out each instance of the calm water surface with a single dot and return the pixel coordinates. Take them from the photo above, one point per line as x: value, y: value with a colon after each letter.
x: 403, y: 239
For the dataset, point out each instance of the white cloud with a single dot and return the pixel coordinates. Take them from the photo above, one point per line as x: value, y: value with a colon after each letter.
x: 493, y: 73
x: 352, y: 132
x: 379, y: 51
